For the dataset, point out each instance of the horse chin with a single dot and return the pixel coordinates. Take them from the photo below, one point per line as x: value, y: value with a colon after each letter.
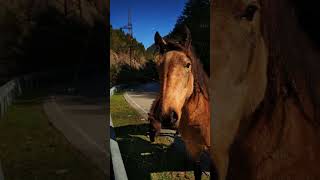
x: 169, y: 125
x: 174, y: 126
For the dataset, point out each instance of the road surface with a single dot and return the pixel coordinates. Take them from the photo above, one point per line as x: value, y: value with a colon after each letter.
x: 82, y: 118
x: 141, y: 97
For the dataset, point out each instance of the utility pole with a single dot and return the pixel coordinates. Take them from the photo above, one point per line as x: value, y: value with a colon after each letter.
x: 130, y: 32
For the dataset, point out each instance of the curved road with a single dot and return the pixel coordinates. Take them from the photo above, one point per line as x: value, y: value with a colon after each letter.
x: 141, y: 97
x: 80, y: 113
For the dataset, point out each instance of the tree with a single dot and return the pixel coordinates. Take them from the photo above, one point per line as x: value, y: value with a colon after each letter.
x: 196, y: 15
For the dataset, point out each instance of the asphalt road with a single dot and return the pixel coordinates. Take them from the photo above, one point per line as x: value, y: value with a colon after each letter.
x: 80, y: 113
x: 141, y: 97
x: 83, y: 123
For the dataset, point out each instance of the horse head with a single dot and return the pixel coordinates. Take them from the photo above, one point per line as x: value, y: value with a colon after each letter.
x: 176, y: 67
x: 239, y: 72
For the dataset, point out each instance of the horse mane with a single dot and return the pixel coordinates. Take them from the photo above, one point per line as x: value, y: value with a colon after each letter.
x: 293, y: 62
x: 200, y: 76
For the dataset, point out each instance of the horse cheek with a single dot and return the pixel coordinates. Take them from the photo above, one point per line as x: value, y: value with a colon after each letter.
x: 190, y: 85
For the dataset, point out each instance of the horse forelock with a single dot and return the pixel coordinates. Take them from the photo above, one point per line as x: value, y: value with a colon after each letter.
x: 200, y: 76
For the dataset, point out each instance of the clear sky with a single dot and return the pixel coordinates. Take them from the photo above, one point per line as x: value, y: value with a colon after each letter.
x: 148, y: 16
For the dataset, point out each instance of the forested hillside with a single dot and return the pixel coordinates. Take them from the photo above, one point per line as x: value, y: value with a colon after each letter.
x: 38, y: 35
x: 196, y: 15
x: 141, y: 67
x: 119, y: 45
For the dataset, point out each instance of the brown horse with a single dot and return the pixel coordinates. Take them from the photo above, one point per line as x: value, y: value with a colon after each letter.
x: 265, y: 92
x: 183, y: 101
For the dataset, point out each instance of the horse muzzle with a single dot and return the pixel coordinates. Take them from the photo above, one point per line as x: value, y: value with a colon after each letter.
x: 169, y: 120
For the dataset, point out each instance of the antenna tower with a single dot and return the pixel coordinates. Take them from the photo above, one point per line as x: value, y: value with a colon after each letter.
x: 130, y: 32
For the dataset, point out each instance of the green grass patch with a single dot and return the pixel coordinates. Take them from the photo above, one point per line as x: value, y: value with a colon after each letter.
x: 122, y: 113
x: 145, y: 160
x: 32, y: 149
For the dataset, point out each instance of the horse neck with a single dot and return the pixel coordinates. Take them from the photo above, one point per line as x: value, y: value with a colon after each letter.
x: 274, y: 142
x: 197, y: 114
x: 288, y: 117
x: 293, y: 58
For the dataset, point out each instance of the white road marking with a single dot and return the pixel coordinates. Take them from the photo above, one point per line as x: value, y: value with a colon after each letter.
x: 78, y: 129
x: 136, y: 103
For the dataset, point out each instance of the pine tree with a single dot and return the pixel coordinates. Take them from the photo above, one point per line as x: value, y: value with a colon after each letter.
x: 196, y: 15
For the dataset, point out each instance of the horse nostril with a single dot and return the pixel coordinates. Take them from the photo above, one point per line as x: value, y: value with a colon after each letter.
x: 173, y: 117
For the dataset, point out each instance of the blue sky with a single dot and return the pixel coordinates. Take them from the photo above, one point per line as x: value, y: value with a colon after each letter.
x: 148, y: 16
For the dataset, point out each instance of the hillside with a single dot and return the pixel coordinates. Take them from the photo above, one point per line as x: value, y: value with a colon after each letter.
x: 119, y: 49
x: 37, y: 35
x: 140, y: 69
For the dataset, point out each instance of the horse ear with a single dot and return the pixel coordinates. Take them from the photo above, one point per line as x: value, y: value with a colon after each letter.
x: 187, y: 39
x: 159, y: 41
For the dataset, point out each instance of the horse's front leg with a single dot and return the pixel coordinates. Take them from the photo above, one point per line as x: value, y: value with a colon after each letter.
x: 195, y: 152
x: 197, y: 170
x: 154, y: 127
x: 213, y: 172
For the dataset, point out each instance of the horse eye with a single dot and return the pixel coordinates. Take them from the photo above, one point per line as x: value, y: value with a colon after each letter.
x: 250, y: 12
x: 188, y: 65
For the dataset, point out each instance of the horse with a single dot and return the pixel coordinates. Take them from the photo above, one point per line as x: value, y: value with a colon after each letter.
x: 154, y: 119
x: 183, y: 101
x: 264, y: 92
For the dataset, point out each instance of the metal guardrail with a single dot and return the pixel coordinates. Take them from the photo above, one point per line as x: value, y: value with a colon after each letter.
x: 8, y: 92
x: 13, y: 88
x: 119, y: 171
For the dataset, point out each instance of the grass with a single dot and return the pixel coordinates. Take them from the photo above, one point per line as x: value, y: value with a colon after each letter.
x: 145, y: 160
x: 32, y: 149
